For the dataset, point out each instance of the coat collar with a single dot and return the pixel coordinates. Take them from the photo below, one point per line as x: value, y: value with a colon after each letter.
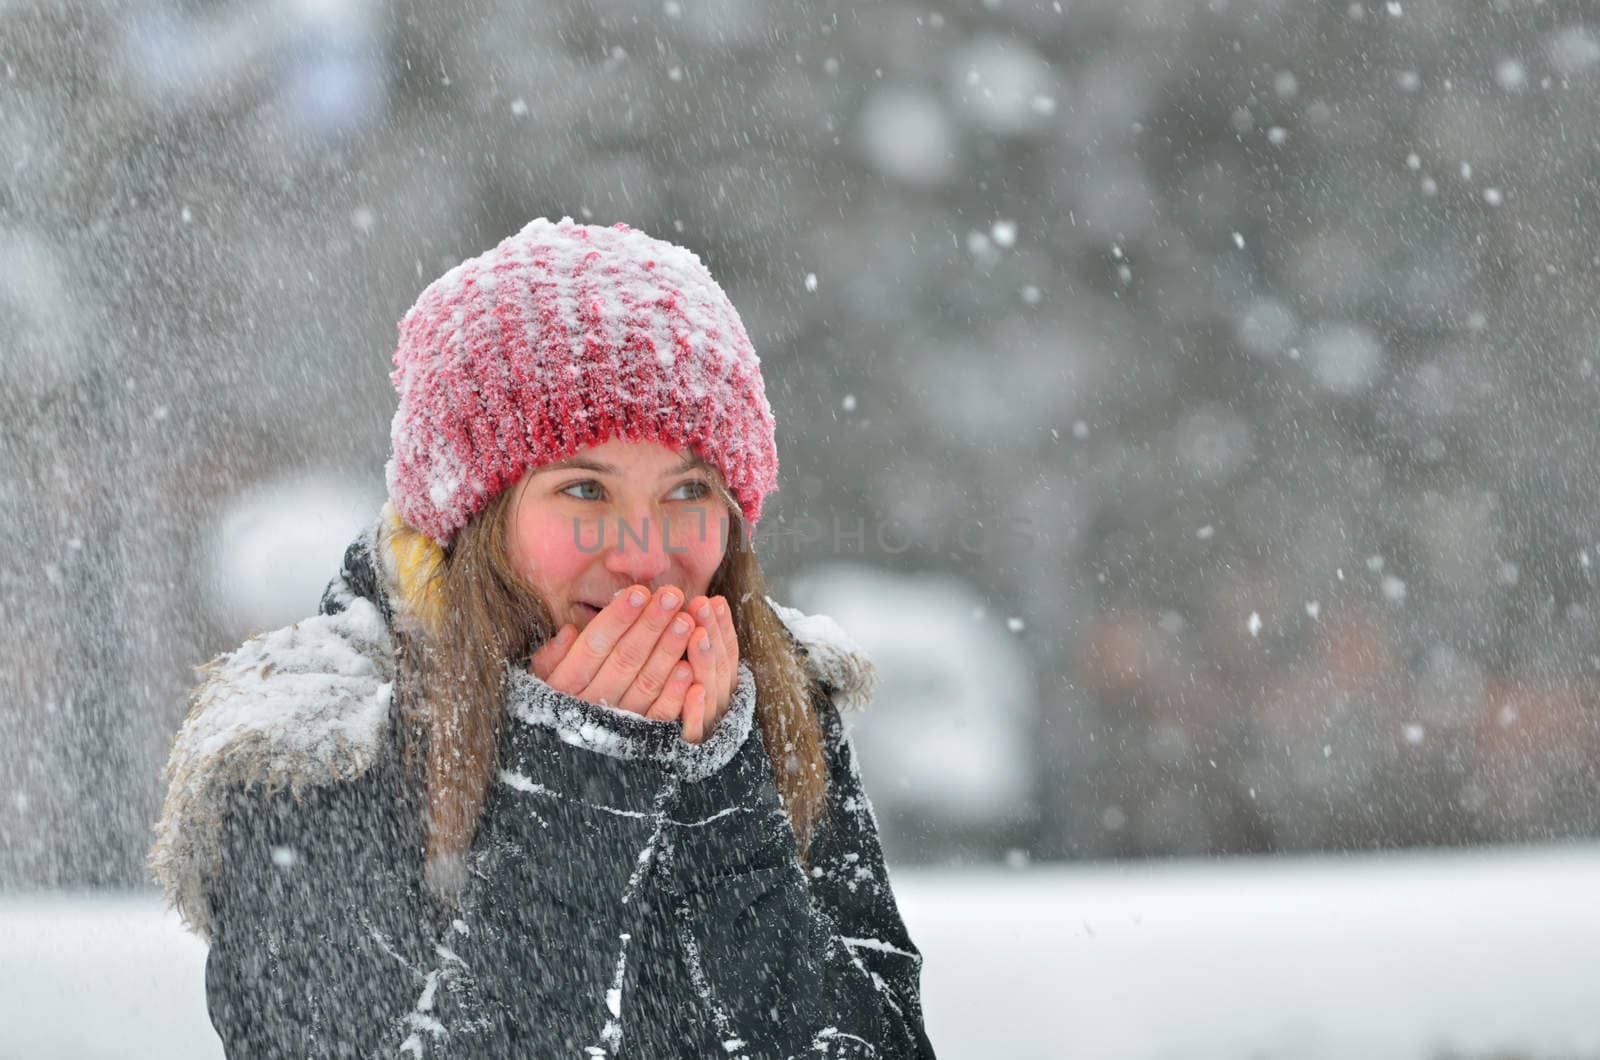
x: 302, y: 706
x: 308, y: 705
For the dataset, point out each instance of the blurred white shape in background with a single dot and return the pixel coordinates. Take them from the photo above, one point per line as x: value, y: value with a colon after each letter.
x: 1003, y: 86
x: 41, y: 322
x: 948, y: 737
x: 1574, y: 51
x: 1265, y: 327
x: 268, y: 557
x: 324, y: 58
x: 906, y: 136
x: 1345, y: 358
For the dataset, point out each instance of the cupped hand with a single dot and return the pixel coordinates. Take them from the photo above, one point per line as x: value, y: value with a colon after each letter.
x: 626, y: 656
x: 631, y: 656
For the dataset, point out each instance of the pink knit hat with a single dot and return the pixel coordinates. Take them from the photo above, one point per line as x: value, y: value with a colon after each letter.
x: 563, y: 336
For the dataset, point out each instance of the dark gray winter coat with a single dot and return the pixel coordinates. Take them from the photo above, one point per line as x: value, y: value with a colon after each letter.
x: 627, y: 894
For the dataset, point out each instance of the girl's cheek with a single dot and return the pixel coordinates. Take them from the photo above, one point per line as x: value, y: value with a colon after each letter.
x: 584, y: 537
x: 561, y: 559
x: 555, y: 548
x: 703, y: 552
x: 699, y: 537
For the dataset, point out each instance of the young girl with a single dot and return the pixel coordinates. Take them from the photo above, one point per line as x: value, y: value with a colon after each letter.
x: 549, y: 774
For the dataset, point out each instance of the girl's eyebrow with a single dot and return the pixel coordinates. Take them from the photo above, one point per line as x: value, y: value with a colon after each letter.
x: 689, y: 463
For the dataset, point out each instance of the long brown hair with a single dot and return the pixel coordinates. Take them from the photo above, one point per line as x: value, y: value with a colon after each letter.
x: 466, y: 613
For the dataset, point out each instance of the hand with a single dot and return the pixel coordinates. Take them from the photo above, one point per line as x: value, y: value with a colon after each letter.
x: 628, y: 656
x: 664, y: 687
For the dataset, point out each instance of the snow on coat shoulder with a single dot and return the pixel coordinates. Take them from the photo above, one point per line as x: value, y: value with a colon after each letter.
x: 305, y: 705
x: 832, y: 656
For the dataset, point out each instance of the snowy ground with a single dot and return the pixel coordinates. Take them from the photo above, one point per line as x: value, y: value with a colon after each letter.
x: 1404, y: 956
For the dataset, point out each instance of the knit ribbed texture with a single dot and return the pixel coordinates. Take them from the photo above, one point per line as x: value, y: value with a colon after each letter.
x: 565, y: 336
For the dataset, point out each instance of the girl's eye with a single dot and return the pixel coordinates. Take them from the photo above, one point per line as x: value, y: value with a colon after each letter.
x: 586, y: 484
x: 697, y: 490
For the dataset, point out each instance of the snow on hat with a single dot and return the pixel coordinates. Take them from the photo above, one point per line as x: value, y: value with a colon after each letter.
x: 563, y: 336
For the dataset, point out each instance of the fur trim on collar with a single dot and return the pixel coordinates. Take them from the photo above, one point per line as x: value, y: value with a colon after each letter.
x: 302, y: 706
x: 832, y: 657
x: 309, y: 704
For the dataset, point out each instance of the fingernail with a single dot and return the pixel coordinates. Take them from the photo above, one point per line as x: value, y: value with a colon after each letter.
x: 705, y: 613
x: 636, y: 598
x: 680, y: 626
x: 705, y: 643
x: 680, y: 672
x: 669, y: 601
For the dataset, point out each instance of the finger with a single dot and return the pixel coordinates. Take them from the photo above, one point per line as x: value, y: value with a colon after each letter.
x: 652, y: 678
x: 552, y: 651
x: 628, y: 658
x: 729, y: 662
x: 704, y: 610
x: 669, y: 704
x: 703, y: 658
x: 717, y: 686
x: 714, y: 717
x: 594, y: 644
x: 694, y: 714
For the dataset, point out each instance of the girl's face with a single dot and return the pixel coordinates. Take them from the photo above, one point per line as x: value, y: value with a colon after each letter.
x: 583, y: 529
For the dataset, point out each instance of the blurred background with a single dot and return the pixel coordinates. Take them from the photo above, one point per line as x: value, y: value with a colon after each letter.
x: 1189, y: 404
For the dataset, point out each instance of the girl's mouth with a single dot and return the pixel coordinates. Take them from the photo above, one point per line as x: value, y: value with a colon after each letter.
x: 586, y: 610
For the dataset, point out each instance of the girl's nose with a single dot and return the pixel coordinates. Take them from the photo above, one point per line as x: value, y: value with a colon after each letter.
x: 637, y: 550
